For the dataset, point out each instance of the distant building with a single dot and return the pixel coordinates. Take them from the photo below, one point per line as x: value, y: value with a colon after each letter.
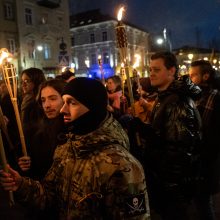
x: 187, y: 54
x: 36, y: 32
x: 93, y: 36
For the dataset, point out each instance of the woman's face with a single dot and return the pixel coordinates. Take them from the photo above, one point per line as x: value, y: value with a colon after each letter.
x: 27, y: 84
x: 111, y: 86
x: 51, y: 102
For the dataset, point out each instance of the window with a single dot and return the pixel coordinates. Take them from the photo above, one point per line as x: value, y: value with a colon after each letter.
x: 93, y: 58
x: 31, y: 49
x: 105, y: 58
x: 8, y: 11
x: 72, y: 41
x: 47, y: 51
x: 92, y: 38
x: 104, y: 36
x: 28, y: 16
x: 11, y: 45
x: 44, y: 18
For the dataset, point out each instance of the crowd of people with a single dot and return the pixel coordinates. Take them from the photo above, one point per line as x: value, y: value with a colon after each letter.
x: 92, y: 154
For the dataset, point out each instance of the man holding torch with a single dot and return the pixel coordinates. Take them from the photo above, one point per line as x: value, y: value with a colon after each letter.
x: 93, y: 175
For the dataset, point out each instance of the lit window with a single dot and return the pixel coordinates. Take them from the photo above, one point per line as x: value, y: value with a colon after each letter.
x: 31, y: 49
x: 11, y: 45
x: 106, y: 58
x: 47, y: 51
x: 44, y: 19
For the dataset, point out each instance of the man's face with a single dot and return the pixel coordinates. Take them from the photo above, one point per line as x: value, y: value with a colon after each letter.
x: 51, y: 102
x: 72, y: 109
x: 195, y: 75
x: 160, y: 76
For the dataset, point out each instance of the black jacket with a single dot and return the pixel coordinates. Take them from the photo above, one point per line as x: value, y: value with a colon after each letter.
x: 173, y: 138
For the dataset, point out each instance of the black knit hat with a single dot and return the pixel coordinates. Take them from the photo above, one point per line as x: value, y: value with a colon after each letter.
x: 90, y: 92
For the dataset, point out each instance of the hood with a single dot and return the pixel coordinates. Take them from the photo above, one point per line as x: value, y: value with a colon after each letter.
x: 110, y: 132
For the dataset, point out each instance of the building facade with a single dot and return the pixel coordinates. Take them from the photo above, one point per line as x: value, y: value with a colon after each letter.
x: 94, y: 44
x: 36, y: 32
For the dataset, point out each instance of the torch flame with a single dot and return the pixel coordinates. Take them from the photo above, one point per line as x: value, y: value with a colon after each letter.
x: 3, y: 55
x: 137, y: 60
x: 120, y: 13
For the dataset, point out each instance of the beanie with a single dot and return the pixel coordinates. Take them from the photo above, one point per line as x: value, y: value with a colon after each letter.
x: 90, y: 92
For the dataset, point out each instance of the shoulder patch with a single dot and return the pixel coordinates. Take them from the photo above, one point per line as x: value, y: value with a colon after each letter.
x: 135, y: 205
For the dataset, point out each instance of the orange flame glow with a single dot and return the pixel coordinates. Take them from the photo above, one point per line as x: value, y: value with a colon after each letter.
x: 3, y: 55
x: 120, y: 13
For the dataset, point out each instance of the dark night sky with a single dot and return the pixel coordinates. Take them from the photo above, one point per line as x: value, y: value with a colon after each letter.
x: 188, y: 22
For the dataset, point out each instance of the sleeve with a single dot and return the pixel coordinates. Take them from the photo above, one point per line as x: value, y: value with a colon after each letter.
x: 126, y: 196
x: 35, y: 194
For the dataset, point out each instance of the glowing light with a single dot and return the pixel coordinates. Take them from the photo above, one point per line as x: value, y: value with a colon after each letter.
x: 190, y: 56
x: 137, y: 60
x: 214, y: 61
x: 63, y: 69
x: 3, y: 55
x: 159, y: 41
x: 87, y: 63
x: 39, y: 48
x: 120, y: 13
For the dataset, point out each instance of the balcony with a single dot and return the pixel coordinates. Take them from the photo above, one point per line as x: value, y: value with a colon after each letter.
x: 49, y: 3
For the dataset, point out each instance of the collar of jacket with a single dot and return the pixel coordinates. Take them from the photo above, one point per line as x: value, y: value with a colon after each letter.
x: 182, y: 87
x: 109, y: 133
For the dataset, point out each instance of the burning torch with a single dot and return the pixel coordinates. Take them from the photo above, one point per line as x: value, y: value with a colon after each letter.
x: 101, y: 69
x: 3, y: 55
x: 11, y: 82
x: 123, y: 47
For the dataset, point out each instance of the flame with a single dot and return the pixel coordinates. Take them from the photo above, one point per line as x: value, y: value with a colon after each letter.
x: 3, y: 55
x: 137, y: 60
x: 120, y: 13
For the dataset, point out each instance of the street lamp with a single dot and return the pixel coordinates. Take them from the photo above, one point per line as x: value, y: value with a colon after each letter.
x: 160, y: 41
x: 190, y: 56
x: 39, y: 47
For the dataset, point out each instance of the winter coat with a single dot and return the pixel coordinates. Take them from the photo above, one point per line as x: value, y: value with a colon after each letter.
x: 173, y: 142
x: 31, y: 114
x: 93, y: 177
x: 48, y: 135
x: 209, y: 108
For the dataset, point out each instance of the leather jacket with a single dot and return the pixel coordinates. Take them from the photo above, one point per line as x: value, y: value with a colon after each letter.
x: 173, y: 137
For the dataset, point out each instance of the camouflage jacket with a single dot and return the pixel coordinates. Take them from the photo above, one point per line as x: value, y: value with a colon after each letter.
x: 93, y: 176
